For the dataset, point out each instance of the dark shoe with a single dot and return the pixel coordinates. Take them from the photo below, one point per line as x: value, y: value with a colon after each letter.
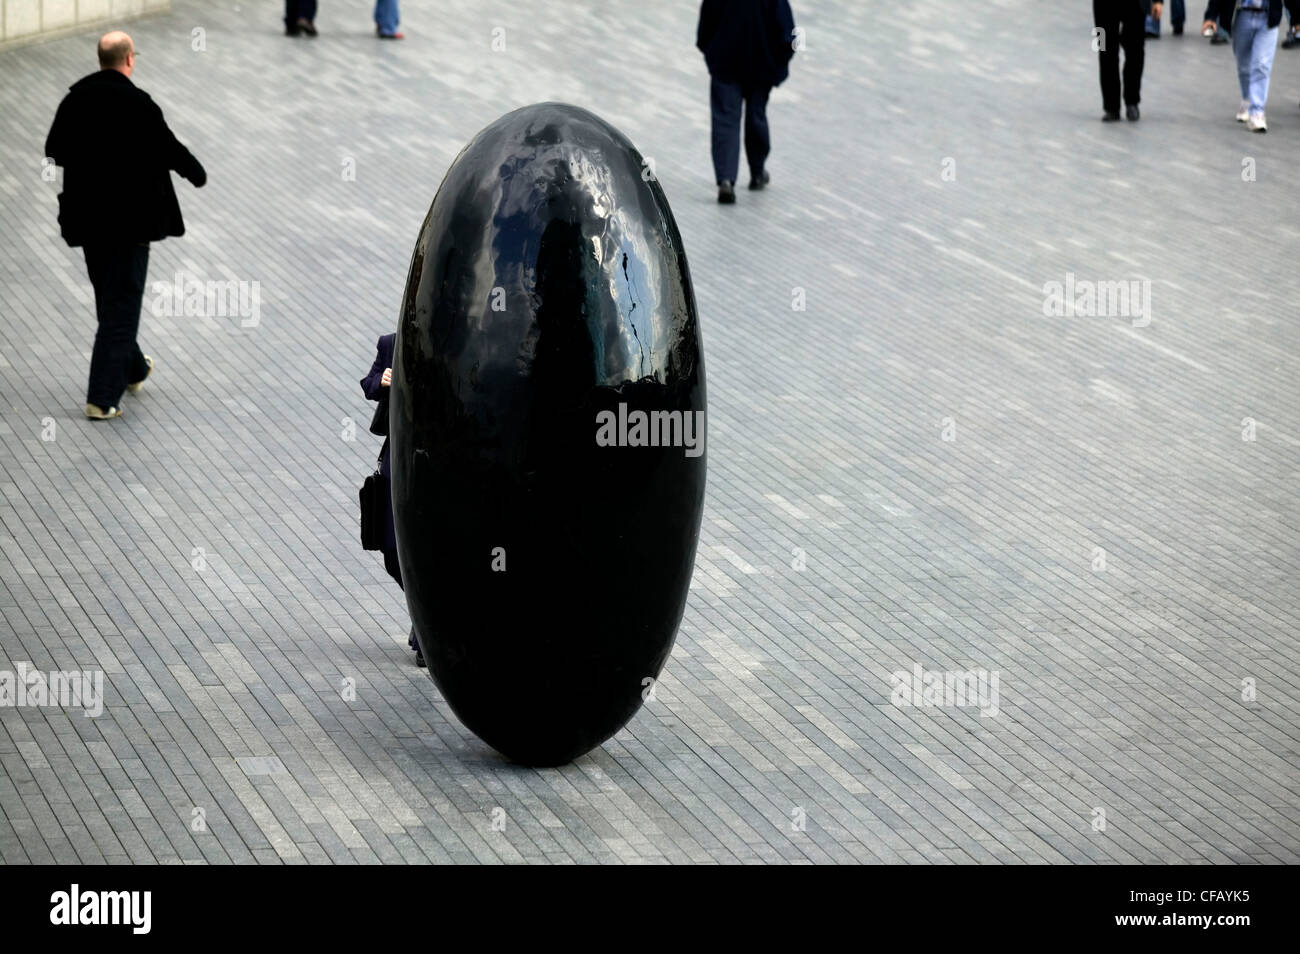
x: 726, y: 193
x: 1178, y: 29
x: 1110, y: 116
x: 1292, y: 39
x: 389, y: 36
x: 419, y: 659
x: 291, y: 30
x: 759, y: 181
x: 1132, y: 113
x: 306, y: 26
x: 1218, y: 39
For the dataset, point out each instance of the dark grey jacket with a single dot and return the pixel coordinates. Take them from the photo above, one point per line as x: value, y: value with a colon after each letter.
x: 1223, y: 9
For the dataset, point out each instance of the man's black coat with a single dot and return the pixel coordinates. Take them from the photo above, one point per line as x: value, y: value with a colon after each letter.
x: 749, y: 42
x: 117, y: 152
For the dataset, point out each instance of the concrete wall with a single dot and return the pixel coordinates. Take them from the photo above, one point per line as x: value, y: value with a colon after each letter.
x: 24, y: 21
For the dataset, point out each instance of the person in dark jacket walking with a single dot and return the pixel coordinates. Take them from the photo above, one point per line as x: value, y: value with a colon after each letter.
x: 1292, y: 38
x: 300, y: 17
x: 1122, y: 24
x: 1211, y: 27
x: 117, y: 155
x: 747, y: 45
x: 376, y: 386
x: 1252, y: 25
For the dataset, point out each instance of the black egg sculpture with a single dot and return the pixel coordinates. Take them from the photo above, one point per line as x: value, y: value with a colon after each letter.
x: 547, y: 420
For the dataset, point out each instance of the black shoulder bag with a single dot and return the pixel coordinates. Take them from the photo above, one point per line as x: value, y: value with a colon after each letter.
x: 379, y: 423
x: 374, y: 508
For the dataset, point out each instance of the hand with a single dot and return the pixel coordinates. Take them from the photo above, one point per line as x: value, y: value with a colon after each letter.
x: 387, y: 379
x: 1209, y: 28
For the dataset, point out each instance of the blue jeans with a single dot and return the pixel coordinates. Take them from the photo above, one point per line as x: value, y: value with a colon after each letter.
x: 386, y: 16
x: 1254, y: 45
x: 1177, y: 16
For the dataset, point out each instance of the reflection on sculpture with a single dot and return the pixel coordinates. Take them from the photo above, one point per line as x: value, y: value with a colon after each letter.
x: 548, y: 299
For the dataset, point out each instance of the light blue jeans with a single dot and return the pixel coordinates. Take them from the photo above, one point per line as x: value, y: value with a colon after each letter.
x: 386, y: 16
x: 1254, y: 45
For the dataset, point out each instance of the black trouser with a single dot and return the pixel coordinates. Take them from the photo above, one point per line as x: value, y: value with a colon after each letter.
x: 294, y: 10
x: 117, y: 272
x: 393, y: 567
x: 1123, y: 24
x: 725, y: 101
x: 395, y: 571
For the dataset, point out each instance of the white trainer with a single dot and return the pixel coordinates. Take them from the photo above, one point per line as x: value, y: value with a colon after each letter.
x: 1243, y: 113
x: 137, y: 386
x: 97, y: 413
x: 1256, y: 123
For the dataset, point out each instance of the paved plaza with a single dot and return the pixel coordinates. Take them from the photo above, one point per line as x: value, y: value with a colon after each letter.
x: 913, y: 467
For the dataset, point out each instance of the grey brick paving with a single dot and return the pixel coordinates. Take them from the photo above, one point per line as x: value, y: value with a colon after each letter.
x: 1121, y: 689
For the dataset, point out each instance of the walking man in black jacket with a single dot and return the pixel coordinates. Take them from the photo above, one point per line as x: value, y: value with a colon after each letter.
x: 117, y: 155
x: 1122, y: 23
x: 747, y: 45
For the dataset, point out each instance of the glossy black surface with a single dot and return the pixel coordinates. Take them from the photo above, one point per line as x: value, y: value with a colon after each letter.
x: 546, y: 214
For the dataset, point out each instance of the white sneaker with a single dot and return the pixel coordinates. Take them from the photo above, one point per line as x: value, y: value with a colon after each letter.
x: 1243, y: 113
x: 1256, y: 123
x: 97, y: 413
x: 138, y: 386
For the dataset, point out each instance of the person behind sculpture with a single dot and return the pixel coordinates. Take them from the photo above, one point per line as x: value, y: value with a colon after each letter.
x: 375, y: 385
x: 747, y: 45
x: 117, y: 154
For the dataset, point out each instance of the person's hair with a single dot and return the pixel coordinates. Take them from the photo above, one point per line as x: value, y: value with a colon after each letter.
x: 114, y: 54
